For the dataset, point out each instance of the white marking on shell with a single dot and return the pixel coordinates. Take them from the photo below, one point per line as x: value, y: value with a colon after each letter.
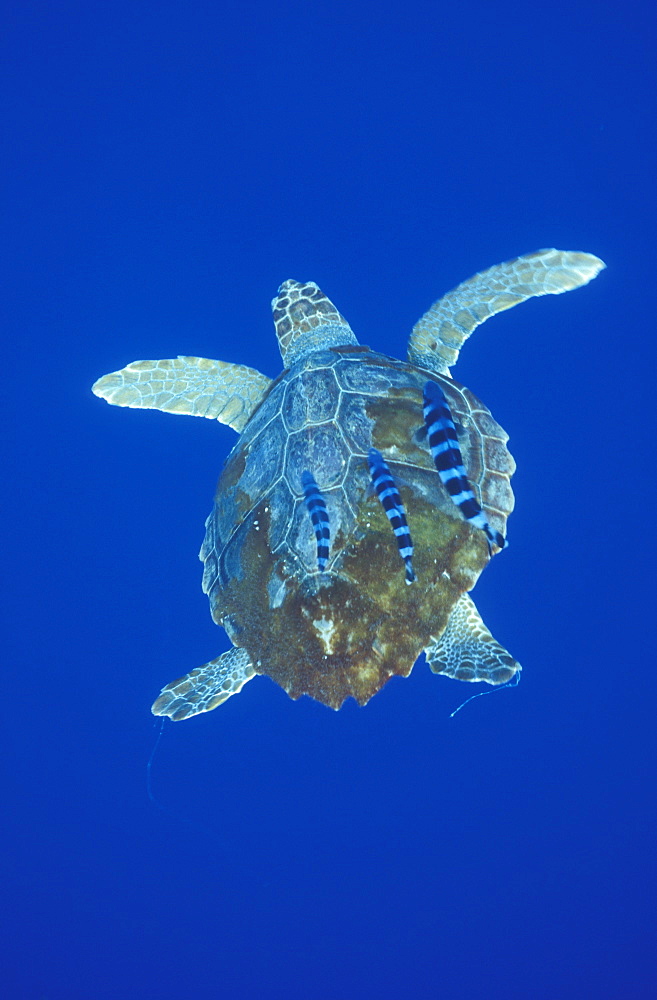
x: 325, y: 629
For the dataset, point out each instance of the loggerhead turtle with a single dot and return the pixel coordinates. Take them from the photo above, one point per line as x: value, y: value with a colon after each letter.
x: 346, y: 462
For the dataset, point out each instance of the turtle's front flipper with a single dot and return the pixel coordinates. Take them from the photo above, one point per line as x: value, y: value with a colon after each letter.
x: 198, y: 386
x: 439, y: 335
x: 205, y: 687
x: 467, y: 651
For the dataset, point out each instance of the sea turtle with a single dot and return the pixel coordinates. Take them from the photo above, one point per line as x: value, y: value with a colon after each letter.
x: 335, y: 458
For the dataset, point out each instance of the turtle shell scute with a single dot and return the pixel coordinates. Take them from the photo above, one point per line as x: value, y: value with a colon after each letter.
x: 357, y: 375
x: 355, y: 423
x: 310, y: 398
x: 325, y: 454
x: 263, y: 464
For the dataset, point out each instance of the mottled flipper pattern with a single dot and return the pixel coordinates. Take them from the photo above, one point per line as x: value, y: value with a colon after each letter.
x: 206, y: 687
x: 306, y: 320
x: 467, y: 651
x: 439, y: 335
x: 197, y: 386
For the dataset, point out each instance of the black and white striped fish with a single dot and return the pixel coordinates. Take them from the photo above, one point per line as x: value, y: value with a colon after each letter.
x: 319, y: 516
x: 446, y: 454
x: 389, y: 496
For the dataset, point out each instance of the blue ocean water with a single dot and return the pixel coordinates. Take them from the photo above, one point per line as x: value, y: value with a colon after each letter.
x: 167, y: 166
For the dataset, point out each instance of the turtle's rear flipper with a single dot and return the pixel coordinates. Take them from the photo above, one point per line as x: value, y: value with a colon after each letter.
x: 467, y: 651
x: 205, y: 687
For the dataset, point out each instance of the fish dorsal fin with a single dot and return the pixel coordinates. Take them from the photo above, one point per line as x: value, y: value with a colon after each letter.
x: 439, y: 335
x: 306, y: 321
x: 197, y: 386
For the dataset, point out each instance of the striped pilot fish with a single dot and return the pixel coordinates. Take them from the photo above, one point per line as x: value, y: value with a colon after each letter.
x: 446, y: 454
x: 389, y: 496
x: 319, y: 516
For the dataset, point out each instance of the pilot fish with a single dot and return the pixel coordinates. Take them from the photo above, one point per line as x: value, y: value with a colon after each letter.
x: 319, y: 516
x: 446, y: 454
x: 389, y: 496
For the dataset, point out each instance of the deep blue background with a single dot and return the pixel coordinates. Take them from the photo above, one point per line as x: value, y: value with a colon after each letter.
x: 168, y: 166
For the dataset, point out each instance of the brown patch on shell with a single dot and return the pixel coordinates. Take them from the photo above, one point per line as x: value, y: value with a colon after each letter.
x: 344, y: 634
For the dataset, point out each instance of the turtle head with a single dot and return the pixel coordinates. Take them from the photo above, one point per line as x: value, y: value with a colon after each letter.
x: 306, y: 321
